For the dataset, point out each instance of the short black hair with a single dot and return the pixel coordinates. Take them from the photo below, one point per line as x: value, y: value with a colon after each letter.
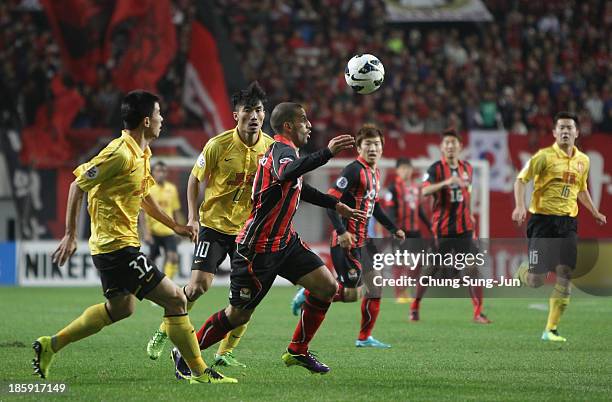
x: 402, y: 162
x: 135, y: 106
x: 249, y: 96
x: 282, y: 113
x: 161, y: 164
x: 565, y: 115
x: 451, y: 132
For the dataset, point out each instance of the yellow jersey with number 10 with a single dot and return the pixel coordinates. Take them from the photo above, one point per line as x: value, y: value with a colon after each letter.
x: 558, y: 178
x: 228, y: 165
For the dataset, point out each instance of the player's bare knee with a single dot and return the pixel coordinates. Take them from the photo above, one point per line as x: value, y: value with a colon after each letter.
x: 238, y: 316
x: 535, y: 281
x: 350, y: 295
x: 330, y: 289
x: 119, y: 310
x: 176, y: 302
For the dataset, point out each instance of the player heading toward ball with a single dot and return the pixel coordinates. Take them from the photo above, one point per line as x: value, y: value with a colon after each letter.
x: 268, y: 245
x: 118, y: 181
x: 560, y: 173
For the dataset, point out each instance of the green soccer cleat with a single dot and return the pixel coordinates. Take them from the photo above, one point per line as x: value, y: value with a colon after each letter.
x: 44, y: 356
x: 227, y: 359
x: 156, y: 344
x: 210, y: 376
x: 552, y: 336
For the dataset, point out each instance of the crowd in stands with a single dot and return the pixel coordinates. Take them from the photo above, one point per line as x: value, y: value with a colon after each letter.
x: 535, y: 59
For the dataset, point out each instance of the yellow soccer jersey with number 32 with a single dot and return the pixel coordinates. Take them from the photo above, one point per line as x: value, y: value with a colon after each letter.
x: 229, y: 165
x: 116, y: 181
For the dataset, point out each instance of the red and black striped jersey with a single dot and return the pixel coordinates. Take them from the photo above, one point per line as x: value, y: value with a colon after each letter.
x: 358, y: 186
x: 451, y: 208
x: 403, y: 201
x: 276, y: 194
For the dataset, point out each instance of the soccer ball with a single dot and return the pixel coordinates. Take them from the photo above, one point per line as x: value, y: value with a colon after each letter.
x: 364, y: 73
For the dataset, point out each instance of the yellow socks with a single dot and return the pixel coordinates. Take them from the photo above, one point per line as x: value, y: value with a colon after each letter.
x: 558, y: 302
x: 93, y: 319
x: 181, y: 333
x: 170, y: 269
x: 232, y: 339
x: 190, y: 304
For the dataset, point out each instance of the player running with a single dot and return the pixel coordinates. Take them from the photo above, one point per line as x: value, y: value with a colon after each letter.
x: 560, y: 173
x: 449, y: 181
x: 156, y: 234
x: 403, y: 203
x: 118, y: 181
x: 268, y: 245
x: 227, y: 164
x: 358, y: 187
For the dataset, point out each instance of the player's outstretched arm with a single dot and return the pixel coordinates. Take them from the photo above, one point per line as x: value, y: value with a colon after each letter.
x: 152, y: 208
x: 520, y: 212
x: 67, y: 245
x: 585, y: 199
x: 289, y: 167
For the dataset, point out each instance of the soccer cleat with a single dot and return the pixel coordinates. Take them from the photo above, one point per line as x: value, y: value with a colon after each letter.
x: 44, y: 356
x: 308, y: 361
x: 403, y: 300
x: 210, y: 376
x: 482, y: 319
x: 520, y: 272
x: 227, y: 359
x: 298, y: 301
x: 181, y: 369
x: 552, y: 336
x: 156, y: 344
x: 371, y: 343
x: 414, y: 315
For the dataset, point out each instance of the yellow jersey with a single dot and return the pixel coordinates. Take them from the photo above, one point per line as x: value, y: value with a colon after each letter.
x: 166, y: 195
x: 229, y: 165
x: 558, y: 178
x: 116, y: 180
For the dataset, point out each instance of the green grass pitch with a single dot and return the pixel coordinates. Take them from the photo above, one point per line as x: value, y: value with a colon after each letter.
x: 443, y: 357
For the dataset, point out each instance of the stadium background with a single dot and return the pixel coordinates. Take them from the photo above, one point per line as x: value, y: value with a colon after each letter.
x: 496, y: 70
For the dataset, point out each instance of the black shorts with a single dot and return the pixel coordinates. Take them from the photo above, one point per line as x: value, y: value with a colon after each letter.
x: 347, y: 264
x: 459, y: 243
x: 552, y: 241
x: 125, y: 271
x: 253, y: 274
x: 167, y: 243
x: 211, y: 250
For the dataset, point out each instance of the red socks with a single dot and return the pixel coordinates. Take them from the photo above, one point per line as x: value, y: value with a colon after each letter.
x: 214, y: 329
x: 311, y: 317
x: 476, y: 295
x: 369, y: 312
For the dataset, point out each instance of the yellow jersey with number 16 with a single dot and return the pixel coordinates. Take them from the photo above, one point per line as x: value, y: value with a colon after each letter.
x: 558, y: 178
